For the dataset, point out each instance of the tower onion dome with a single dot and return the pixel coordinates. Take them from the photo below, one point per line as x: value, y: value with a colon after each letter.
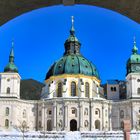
x: 133, y: 63
x: 11, y: 67
x: 72, y: 61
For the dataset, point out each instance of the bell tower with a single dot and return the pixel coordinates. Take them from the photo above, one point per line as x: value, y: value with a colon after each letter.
x: 10, y: 79
x: 133, y: 74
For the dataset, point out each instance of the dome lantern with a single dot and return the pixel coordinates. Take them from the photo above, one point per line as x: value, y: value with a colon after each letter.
x: 72, y: 44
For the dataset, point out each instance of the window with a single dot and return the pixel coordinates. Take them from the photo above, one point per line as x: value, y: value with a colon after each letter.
x: 50, y: 112
x: 59, y: 90
x: 86, y: 123
x: 97, y: 112
x: 8, y: 90
x: 87, y: 89
x: 122, y: 114
x: 7, y: 111
x: 6, y: 123
x: 74, y: 111
x: 97, y: 124
x: 24, y: 113
x: 138, y: 90
x: 73, y: 89
x: 113, y: 89
x: 60, y: 123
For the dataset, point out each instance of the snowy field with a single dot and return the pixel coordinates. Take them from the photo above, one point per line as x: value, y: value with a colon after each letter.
x: 89, y: 135
x: 135, y: 135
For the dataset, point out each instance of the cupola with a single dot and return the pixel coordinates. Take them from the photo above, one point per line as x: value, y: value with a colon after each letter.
x: 11, y: 67
x: 72, y: 62
x: 133, y: 63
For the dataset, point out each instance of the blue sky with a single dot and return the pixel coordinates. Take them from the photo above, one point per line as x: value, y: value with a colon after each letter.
x: 39, y: 36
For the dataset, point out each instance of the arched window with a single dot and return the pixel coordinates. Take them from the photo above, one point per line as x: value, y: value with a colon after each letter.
x: 86, y: 123
x: 8, y: 90
x: 87, y: 89
x: 73, y: 89
x: 7, y: 111
x: 97, y: 124
x: 59, y: 90
x: 6, y: 123
x: 138, y: 90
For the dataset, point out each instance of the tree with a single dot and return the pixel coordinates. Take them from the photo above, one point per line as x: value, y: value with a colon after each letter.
x: 23, y: 128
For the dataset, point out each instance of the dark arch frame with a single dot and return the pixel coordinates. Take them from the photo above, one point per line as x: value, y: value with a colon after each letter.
x: 14, y: 8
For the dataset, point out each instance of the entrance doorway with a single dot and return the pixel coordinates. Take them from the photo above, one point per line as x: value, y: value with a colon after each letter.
x: 73, y: 125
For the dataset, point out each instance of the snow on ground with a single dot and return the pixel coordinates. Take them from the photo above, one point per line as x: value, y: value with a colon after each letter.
x: 62, y: 135
x: 73, y: 136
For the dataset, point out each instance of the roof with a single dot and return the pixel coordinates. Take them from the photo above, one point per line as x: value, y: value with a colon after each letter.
x: 112, y: 82
x: 73, y: 64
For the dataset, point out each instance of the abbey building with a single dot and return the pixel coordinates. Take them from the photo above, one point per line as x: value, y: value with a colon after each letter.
x: 72, y: 98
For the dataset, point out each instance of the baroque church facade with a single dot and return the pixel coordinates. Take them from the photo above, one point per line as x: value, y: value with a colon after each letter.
x: 71, y: 99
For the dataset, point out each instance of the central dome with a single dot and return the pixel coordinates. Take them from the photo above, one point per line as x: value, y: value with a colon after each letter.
x: 72, y: 61
x: 73, y: 64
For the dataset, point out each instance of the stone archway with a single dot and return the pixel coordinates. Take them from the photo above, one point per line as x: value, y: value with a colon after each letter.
x: 73, y: 125
x: 13, y: 8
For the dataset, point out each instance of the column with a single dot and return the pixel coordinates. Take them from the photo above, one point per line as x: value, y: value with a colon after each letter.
x: 43, y: 117
x: 80, y: 117
x: 132, y: 125
x: 54, y: 117
x: 110, y: 122
x: 66, y: 117
x: 91, y: 117
x: 102, y: 117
